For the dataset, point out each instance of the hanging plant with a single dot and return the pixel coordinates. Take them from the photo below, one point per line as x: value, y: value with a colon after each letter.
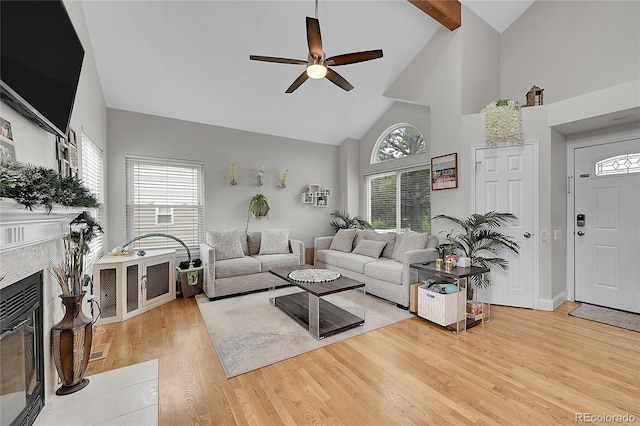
x: 232, y: 175
x: 503, y: 122
x: 283, y: 179
x: 259, y: 176
x: 258, y: 208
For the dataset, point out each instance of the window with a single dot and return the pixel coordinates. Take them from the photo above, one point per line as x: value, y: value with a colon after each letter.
x: 399, y: 141
x: 620, y: 165
x: 165, y: 196
x: 91, y: 174
x: 400, y: 200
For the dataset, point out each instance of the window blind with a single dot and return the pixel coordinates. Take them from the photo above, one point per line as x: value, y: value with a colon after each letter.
x: 91, y: 173
x: 400, y: 200
x: 165, y: 196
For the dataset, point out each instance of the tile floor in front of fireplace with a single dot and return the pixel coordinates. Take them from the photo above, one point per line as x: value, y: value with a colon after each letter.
x: 125, y: 396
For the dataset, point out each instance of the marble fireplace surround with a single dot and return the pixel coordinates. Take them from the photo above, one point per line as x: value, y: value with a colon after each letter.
x: 29, y: 242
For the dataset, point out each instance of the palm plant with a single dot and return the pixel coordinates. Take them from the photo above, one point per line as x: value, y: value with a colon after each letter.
x: 342, y: 220
x: 480, y: 239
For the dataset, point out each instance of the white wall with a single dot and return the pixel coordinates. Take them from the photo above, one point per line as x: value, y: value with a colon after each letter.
x: 226, y: 205
x: 569, y: 48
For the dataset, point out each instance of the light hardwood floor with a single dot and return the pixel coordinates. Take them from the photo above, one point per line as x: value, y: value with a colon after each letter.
x: 525, y: 367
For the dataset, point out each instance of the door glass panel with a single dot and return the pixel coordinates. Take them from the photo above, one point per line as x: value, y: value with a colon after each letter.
x: 157, y: 280
x: 132, y: 288
x: 619, y: 165
x: 108, y: 293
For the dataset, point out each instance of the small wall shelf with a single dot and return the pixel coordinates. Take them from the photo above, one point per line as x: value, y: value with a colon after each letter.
x: 316, y: 195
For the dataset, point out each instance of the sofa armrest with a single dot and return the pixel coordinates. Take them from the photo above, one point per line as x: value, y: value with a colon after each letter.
x: 410, y: 276
x: 208, y: 257
x: 297, y: 248
x: 420, y: 256
x: 322, y: 243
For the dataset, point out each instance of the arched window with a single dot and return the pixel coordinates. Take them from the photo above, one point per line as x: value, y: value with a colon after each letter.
x: 620, y: 165
x: 399, y: 198
x: 398, y: 141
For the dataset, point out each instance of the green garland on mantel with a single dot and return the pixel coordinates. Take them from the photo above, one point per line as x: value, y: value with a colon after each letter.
x: 41, y: 187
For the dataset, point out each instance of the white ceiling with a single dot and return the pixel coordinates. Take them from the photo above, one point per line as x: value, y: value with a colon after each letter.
x: 189, y: 60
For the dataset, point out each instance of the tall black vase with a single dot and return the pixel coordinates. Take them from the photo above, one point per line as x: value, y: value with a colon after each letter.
x: 71, y: 342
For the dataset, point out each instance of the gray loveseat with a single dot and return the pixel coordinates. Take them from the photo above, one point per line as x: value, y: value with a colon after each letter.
x: 237, y: 263
x: 380, y: 260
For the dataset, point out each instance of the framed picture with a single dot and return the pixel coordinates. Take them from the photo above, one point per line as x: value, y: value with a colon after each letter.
x: 73, y: 152
x: 444, y: 172
x: 7, y: 149
x: 62, y: 155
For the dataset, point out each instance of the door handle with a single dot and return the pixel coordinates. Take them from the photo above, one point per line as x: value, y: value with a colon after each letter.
x: 581, y: 233
x: 527, y: 235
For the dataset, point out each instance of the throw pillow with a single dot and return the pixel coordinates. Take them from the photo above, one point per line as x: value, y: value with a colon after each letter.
x: 226, y: 243
x: 362, y: 234
x: 274, y: 241
x: 389, y: 238
x: 343, y: 240
x: 370, y: 248
x: 411, y: 240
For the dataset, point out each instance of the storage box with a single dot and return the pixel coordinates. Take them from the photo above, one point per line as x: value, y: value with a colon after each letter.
x: 413, y: 297
x: 441, y: 308
x: 189, y: 281
x: 475, y: 310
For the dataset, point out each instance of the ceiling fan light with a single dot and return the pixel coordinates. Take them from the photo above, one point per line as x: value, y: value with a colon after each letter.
x: 316, y: 71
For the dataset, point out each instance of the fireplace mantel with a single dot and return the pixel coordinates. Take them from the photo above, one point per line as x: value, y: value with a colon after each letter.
x: 21, y: 227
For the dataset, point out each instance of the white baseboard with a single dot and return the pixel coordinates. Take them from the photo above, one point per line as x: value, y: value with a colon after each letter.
x: 552, y: 304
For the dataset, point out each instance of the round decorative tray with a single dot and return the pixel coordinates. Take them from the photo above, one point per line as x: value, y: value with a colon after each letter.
x: 314, y: 275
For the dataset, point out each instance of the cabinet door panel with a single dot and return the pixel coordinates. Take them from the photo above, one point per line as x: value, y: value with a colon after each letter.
x: 108, y: 292
x: 157, y: 282
x: 132, y: 288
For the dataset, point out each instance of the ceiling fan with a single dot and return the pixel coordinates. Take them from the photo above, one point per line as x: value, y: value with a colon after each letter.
x: 317, y: 63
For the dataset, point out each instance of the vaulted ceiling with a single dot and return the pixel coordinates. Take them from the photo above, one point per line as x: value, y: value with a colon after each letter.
x: 189, y: 60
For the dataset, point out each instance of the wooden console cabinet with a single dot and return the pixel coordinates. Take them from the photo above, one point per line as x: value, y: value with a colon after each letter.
x: 126, y: 286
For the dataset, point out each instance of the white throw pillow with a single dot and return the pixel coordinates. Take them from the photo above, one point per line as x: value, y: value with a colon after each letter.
x: 226, y: 243
x: 370, y: 248
x: 343, y: 240
x: 274, y: 241
x: 411, y: 240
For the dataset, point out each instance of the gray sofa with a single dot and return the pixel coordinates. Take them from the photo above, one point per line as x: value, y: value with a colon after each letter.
x: 237, y: 263
x: 381, y: 261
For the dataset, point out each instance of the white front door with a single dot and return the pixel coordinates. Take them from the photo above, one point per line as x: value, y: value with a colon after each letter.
x: 504, y: 183
x: 607, y: 234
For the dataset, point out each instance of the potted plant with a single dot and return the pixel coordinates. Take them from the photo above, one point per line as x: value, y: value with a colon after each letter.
x: 481, y: 241
x: 71, y: 337
x: 258, y: 208
x: 342, y: 220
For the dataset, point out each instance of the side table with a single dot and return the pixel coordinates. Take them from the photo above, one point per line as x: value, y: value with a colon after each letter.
x: 460, y: 276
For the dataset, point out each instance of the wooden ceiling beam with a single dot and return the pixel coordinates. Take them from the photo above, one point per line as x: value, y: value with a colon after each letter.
x: 447, y: 12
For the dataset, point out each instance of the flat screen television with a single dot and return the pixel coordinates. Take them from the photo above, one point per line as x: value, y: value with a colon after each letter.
x: 41, y: 62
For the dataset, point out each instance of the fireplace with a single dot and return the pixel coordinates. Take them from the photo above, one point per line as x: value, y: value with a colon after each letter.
x: 21, y: 351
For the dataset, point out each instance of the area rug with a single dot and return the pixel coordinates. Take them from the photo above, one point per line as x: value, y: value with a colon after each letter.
x: 248, y: 333
x: 622, y: 319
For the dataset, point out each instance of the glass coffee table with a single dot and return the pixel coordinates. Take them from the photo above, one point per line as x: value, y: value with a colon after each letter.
x: 316, y: 307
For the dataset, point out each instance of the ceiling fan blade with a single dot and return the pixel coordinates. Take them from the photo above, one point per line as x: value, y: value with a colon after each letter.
x: 314, y: 39
x: 277, y: 60
x: 301, y: 79
x: 338, y: 80
x: 352, y: 58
